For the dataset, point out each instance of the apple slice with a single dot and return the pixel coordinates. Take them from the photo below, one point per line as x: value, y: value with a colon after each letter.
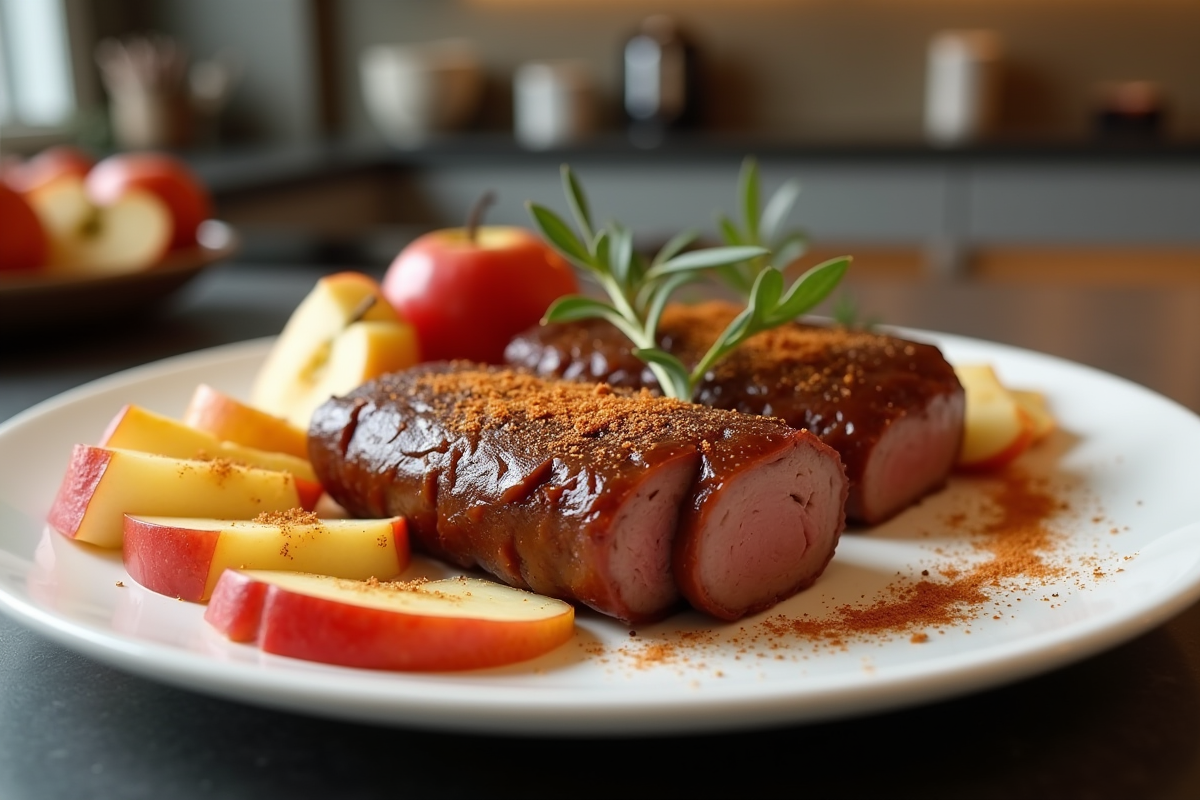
x: 342, y: 334
x: 183, y: 557
x: 996, y: 428
x: 231, y: 420
x: 103, y: 484
x: 136, y: 428
x: 1034, y: 404
x: 131, y: 234
x: 454, y: 624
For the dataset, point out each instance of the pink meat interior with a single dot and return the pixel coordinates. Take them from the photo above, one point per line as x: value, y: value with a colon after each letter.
x: 773, y: 530
x: 643, y: 533
x: 911, y: 459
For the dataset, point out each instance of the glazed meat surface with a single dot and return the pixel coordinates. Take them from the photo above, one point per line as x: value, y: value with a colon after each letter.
x: 623, y: 501
x: 892, y: 408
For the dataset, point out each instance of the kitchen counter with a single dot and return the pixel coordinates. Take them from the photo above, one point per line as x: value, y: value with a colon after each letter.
x: 1125, y: 723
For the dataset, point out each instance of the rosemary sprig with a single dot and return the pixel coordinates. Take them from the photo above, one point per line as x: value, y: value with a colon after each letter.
x: 638, y: 290
x: 763, y: 229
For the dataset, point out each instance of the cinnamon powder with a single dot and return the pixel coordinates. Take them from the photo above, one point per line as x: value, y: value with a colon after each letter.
x: 1017, y: 544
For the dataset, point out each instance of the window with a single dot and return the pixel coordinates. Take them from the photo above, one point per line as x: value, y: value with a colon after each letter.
x: 37, y: 92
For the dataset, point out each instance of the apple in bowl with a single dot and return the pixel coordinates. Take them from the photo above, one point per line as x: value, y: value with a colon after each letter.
x: 452, y: 624
x: 47, y: 166
x: 167, y: 177
x: 24, y: 247
x: 123, y: 234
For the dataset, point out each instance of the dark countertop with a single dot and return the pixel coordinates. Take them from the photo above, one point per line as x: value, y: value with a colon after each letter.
x: 241, y: 168
x: 1125, y: 723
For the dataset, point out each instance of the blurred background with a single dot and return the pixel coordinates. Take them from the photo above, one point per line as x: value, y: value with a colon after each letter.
x: 1002, y: 140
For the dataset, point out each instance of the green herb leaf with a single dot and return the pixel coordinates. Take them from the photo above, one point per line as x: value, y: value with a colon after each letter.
x: 556, y: 231
x: 729, y: 231
x: 765, y: 294
x: 577, y: 200
x: 748, y: 191
x: 599, y: 247
x: 576, y: 307
x: 705, y: 259
x: 809, y: 289
x: 674, y: 246
x: 777, y: 210
x: 659, y: 297
x: 620, y: 257
x: 675, y: 371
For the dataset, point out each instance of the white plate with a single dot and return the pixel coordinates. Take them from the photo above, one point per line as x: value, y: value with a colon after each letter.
x: 1130, y: 542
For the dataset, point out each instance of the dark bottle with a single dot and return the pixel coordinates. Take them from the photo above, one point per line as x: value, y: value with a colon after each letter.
x: 660, y: 80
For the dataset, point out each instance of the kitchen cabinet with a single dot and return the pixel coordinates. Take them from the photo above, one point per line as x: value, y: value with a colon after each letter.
x: 944, y: 202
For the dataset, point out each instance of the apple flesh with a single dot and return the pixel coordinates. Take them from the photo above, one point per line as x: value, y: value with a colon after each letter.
x: 996, y: 428
x: 454, y: 624
x: 1034, y: 404
x: 101, y: 485
x: 231, y: 420
x: 136, y: 428
x: 129, y: 234
x: 341, y: 335
x: 184, y: 557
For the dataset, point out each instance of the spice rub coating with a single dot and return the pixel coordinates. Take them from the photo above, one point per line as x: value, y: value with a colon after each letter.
x: 892, y: 408
x: 584, y: 492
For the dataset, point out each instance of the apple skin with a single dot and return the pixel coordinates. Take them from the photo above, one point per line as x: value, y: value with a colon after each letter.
x: 230, y: 419
x: 450, y: 625
x: 136, y: 428
x: 24, y: 247
x: 164, y: 176
x: 101, y: 485
x: 466, y: 298
x: 184, y: 557
x: 48, y: 165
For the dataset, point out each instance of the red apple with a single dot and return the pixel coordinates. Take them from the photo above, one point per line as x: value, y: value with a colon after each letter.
x: 48, y: 165
x: 184, y: 556
x: 468, y: 294
x: 23, y: 243
x: 163, y: 175
x: 454, y: 624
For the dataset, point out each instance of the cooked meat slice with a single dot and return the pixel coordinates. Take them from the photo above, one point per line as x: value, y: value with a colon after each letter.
x: 763, y: 523
x: 569, y: 489
x: 892, y: 408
